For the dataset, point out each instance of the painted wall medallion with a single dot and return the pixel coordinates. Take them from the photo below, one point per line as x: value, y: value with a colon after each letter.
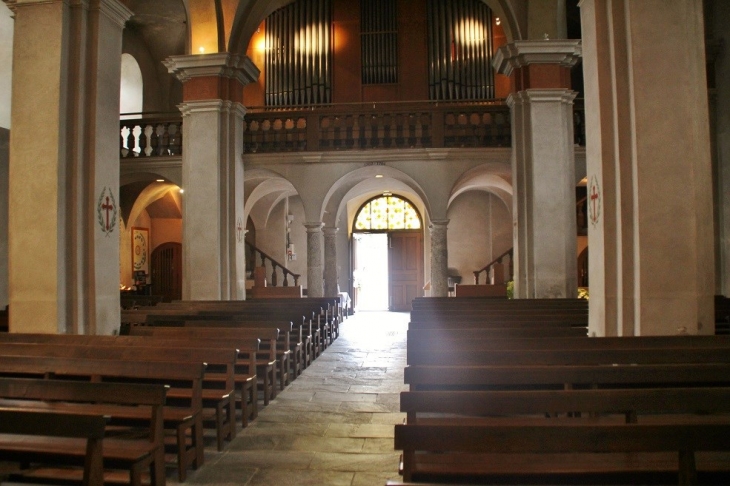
x: 106, y: 211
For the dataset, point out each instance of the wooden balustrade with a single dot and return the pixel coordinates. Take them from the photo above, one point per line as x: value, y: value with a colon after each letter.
x: 355, y: 126
x: 509, y: 254
x: 272, y: 266
x: 152, y: 135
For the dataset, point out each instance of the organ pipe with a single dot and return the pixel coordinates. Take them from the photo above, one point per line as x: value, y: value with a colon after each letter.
x: 460, y: 50
x: 298, y: 54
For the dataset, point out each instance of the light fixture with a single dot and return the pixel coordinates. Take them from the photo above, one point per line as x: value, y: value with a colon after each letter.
x: 387, y: 193
x: 182, y: 190
x: 201, y: 49
x: 159, y: 180
x: 378, y: 176
x: 497, y: 21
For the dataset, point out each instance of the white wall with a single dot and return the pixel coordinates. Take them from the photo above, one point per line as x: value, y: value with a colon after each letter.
x: 131, y: 87
x: 480, y: 229
x: 6, y: 64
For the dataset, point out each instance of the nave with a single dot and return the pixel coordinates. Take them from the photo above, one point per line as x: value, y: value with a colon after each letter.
x: 332, y: 425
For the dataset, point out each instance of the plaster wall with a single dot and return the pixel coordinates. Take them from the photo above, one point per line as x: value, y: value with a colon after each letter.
x: 6, y: 64
x: 480, y: 229
x: 4, y: 159
x: 165, y: 230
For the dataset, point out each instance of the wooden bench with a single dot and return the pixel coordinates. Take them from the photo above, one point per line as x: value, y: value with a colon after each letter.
x: 183, y: 420
x: 529, y: 453
x: 216, y: 395
x: 247, y: 348
x: 266, y: 366
x: 28, y: 436
x: 112, y: 400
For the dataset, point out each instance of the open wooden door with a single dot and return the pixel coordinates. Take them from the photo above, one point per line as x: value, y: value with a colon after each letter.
x: 405, y: 268
x: 166, y: 275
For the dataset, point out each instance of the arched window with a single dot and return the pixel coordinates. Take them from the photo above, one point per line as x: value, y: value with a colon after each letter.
x: 385, y: 213
x: 130, y: 92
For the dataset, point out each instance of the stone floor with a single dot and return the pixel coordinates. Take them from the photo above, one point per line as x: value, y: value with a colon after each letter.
x: 333, y: 425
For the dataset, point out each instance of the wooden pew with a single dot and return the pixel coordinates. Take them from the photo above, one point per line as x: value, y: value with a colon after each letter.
x: 476, y: 356
x: 247, y: 348
x: 28, y: 436
x: 215, y: 395
x: 111, y: 400
x: 421, y: 378
x: 528, y: 453
x: 183, y: 420
x: 266, y: 366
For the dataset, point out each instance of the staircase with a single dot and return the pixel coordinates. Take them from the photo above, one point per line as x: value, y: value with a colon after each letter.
x: 267, y: 274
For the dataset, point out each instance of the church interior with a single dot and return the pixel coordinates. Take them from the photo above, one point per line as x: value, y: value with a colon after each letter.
x: 395, y: 155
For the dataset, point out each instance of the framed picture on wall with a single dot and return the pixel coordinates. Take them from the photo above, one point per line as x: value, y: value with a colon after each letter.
x: 140, y: 250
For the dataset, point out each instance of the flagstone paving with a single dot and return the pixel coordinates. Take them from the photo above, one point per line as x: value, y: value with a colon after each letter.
x: 333, y: 425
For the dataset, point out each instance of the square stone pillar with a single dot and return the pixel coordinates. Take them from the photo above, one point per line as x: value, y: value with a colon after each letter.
x: 214, y: 261
x: 543, y: 166
x: 649, y: 170
x: 63, y: 240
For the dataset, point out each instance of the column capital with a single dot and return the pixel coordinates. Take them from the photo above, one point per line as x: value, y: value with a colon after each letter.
x: 114, y: 10
x: 538, y: 63
x: 221, y: 64
x: 518, y: 54
x: 438, y: 223
x: 330, y: 230
x: 555, y: 95
x: 313, y: 226
x: 205, y: 106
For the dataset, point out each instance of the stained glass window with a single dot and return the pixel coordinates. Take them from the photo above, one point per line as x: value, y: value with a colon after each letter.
x: 387, y: 213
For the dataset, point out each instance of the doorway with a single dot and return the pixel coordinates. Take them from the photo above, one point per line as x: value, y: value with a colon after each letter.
x: 370, y: 272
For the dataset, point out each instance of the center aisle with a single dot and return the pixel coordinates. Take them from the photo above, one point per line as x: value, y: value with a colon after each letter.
x: 334, y: 424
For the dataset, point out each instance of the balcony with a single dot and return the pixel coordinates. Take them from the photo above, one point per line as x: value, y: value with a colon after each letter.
x: 361, y: 126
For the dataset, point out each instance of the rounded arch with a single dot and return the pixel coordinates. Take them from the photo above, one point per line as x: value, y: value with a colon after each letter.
x: 152, y: 193
x: 265, y: 189
x: 489, y: 178
x: 366, y: 181
x: 409, y: 219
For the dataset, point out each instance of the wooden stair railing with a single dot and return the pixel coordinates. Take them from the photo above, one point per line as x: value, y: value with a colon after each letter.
x: 488, y: 267
x: 254, y: 251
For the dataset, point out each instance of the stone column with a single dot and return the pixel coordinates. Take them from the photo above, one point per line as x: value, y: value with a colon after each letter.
x: 315, y: 286
x: 649, y: 170
x: 63, y: 240
x: 214, y: 261
x: 330, y: 262
x: 439, y: 258
x: 543, y: 166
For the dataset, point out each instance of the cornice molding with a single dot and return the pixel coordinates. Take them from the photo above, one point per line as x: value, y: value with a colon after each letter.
x: 221, y: 64
x: 116, y: 11
x: 518, y: 54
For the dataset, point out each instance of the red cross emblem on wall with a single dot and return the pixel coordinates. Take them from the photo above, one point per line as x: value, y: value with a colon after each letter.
x: 594, y: 201
x: 106, y: 211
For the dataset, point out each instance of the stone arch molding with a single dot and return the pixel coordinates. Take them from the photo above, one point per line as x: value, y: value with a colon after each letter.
x: 484, y: 178
x: 362, y: 183
x: 264, y: 188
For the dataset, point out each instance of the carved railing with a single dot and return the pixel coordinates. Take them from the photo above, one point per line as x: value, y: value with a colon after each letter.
x: 356, y: 126
x: 272, y: 268
x: 359, y: 126
x: 150, y: 135
x: 509, y: 254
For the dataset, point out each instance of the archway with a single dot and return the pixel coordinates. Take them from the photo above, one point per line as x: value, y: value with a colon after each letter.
x: 387, y: 254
